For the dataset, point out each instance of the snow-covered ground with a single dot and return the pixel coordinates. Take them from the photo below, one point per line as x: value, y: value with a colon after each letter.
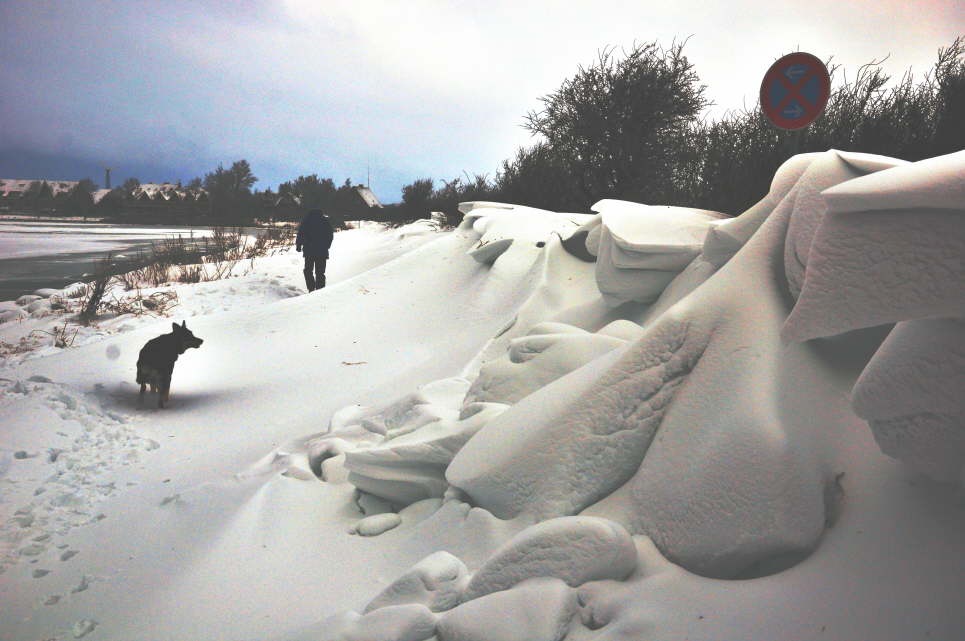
x: 671, y: 426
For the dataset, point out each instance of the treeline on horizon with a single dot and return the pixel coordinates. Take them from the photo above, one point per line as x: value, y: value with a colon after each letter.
x: 231, y: 199
x: 628, y: 127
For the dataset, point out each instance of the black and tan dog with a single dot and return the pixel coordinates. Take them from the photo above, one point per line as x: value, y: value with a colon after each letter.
x: 155, y: 363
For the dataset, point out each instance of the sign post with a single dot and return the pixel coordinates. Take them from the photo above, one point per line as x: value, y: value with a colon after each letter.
x: 795, y: 91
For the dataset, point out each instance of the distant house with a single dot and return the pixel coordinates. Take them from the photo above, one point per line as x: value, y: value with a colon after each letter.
x: 361, y: 204
x: 13, y: 192
x: 62, y: 186
x: 285, y: 207
x: 99, y: 195
x: 18, y: 187
x: 368, y: 197
x: 19, y: 194
x: 156, y: 201
x: 14, y: 188
x: 351, y: 203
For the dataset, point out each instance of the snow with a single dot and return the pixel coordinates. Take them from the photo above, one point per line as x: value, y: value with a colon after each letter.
x: 574, y: 549
x: 410, y: 622
x: 408, y: 467
x: 546, y: 353
x: 910, y: 394
x: 14, y: 185
x: 376, y: 524
x: 883, y: 261
x: 510, y: 615
x: 437, y: 582
x: 523, y: 458
x: 640, y: 248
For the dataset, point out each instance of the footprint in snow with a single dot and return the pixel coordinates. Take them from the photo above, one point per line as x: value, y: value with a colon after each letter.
x: 83, y: 627
x: 83, y: 585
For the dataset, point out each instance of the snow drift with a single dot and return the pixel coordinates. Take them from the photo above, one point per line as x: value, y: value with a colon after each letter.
x: 694, y: 426
x: 585, y: 426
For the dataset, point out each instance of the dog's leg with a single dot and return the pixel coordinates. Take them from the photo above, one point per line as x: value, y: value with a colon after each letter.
x: 164, y: 386
x: 140, y: 397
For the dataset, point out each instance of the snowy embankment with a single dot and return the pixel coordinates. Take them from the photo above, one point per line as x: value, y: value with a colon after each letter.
x: 646, y: 423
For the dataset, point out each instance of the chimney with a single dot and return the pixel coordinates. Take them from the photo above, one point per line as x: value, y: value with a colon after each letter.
x: 107, y: 177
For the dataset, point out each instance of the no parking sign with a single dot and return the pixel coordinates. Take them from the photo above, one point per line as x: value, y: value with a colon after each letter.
x: 795, y: 90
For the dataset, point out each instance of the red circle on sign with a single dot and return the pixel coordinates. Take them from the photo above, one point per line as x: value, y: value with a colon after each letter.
x: 789, y: 97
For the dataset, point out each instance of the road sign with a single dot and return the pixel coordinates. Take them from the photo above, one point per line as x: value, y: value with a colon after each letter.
x: 795, y: 90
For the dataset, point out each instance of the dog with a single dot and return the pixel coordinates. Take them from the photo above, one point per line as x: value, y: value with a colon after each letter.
x: 155, y: 362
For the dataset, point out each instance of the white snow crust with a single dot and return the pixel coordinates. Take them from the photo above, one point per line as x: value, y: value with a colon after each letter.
x: 640, y: 248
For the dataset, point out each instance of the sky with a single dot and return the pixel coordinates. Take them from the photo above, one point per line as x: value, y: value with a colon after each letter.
x: 166, y: 91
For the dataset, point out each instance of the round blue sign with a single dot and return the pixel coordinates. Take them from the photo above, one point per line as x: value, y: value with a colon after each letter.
x: 795, y: 90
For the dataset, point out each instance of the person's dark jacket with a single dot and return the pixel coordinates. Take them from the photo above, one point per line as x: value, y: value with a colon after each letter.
x: 314, y: 235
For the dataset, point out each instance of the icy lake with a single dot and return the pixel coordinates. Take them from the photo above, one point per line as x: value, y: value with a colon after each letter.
x: 37, y: 254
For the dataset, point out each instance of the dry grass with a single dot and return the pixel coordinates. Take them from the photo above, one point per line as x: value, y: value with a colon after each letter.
x: 171, y: 260
x: 63, y: 336
x: 156, y: 304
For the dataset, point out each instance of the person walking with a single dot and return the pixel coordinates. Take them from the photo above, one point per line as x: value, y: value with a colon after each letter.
x: 314, y: 238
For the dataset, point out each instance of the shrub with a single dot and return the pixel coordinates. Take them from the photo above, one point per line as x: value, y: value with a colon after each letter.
x: 95, y: 290
x: 617, y: 124
x: 736, y: 157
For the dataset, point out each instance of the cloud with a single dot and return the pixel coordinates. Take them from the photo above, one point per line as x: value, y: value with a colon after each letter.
x: 415, y: 88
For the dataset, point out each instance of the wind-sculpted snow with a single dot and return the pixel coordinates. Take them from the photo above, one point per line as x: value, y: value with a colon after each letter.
x: 810, y: 206
x: 408, y: 622
x: 559, y: 281
x: 911, y: 395
x: 574, y: 549
x: 679, y: 429
x: 540, y: 609
x: 415, y: 439
x: 891, y: 248
x: 734, y: 490
x: 524, y: 590
x: 640, y: 248
x: 437, y: 582
x: 547, y: 352
x: 376, y: 524
x: 689, y: 426
x: 602, y: 416
x: 881, y: 260
x: 406, y: 468
x: 417, y: 436
x: 487, y: 252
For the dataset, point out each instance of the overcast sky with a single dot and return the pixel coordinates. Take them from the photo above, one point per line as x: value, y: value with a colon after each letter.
x: 167, y: 90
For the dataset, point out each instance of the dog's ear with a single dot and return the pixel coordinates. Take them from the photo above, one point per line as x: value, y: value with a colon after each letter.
x: 184, y: 324
x: 175, y: 327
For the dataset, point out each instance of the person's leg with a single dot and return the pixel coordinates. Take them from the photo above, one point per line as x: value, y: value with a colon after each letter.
x: 320, y: 272
x: 309, y: 281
